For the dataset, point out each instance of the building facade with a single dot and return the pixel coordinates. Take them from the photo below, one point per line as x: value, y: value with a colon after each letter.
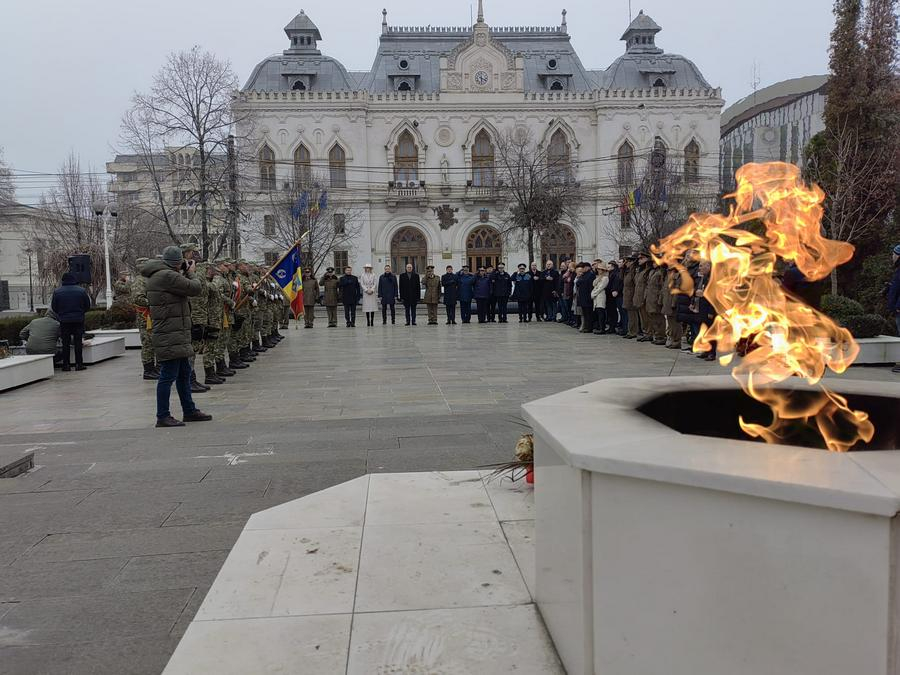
x: 772, y: 124
x: 409, y: 146
x: 20, y: 284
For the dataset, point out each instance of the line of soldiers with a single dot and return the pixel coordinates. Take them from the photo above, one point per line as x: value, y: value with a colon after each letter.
x: 236, y: 316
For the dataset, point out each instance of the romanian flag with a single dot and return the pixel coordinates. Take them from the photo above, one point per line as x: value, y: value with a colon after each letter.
x: 288, y: 275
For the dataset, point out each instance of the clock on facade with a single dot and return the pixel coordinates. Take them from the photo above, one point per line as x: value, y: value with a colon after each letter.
x: 481, y: 78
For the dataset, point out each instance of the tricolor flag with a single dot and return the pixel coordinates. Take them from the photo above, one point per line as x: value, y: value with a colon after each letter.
x: 288, y: 275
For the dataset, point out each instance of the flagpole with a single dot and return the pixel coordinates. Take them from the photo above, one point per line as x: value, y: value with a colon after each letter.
x: 280, y: 260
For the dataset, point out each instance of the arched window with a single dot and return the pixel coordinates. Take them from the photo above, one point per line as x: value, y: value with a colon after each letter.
x: 556, y: 86
x: 302, y: 166
x: 658, y: 156
x: 483, y: 160
x: 404, y: 86
x: 337, y: 166
x: 626, y: 163
x: 299, y: 86
x: 558, y: 245
x: 266, y: 168
x: 408, y: 245
x: 692, y: 162
x: 483, y: 248
x: 406, y: 159
x: 558, y: 156
x: 660, y: 83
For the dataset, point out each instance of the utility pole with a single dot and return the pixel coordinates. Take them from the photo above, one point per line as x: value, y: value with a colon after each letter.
x: 30, y: 281
x: 232, y: 200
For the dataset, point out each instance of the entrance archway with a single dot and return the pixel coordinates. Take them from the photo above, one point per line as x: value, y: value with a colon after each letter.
x: 409, y: 246
x: 558, y: 245
x: 483, y: 248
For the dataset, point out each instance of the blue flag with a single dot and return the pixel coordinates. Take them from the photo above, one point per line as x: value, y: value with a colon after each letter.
x: 323, y: 200
x: 301, y: 205
x: 287, y: 274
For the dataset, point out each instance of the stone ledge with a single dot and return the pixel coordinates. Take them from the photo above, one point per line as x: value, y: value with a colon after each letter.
x: 24, y: 369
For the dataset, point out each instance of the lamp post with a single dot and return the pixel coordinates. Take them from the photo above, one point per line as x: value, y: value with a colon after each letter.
x: 105, y: 212
x: 28, y: 251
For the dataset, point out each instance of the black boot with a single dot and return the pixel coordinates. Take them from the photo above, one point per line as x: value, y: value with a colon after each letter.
x: 149, y: 374
x: 222, y: 370
x: 154, y: 367
x: 212, y: 378
x: 247, y: 356
x: 196, y: 387
x: 235, y: 362
x: 258, y: 347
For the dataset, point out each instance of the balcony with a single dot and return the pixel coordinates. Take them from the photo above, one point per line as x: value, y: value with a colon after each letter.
x: 400, y: 193
x: 480, y: 193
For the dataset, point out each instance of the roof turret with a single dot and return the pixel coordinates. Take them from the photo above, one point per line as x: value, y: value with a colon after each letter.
x: 640, y: 36
x: 303, y: 34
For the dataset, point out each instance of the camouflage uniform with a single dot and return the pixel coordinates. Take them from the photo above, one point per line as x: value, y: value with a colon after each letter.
x: 242, y: 337
x: 200, y: 316
x: 225, y: 292
x: 141, y: 304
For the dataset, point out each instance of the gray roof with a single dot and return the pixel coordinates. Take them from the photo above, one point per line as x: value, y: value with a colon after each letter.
x: 768, y: 98
x: 423, y: 47
x: 303, y: 24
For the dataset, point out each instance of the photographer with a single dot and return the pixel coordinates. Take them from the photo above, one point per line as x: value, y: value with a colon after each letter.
x: 170, y: 282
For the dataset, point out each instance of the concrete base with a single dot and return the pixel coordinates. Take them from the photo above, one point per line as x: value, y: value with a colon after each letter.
x: 18, y: 370
x: 14, y: 463
x: 100, y: 349
x: 132, y: 336
x: 387, y: 573
x: 878, y: 350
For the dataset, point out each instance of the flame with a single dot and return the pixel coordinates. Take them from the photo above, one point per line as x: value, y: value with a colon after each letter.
x: 779, y: 335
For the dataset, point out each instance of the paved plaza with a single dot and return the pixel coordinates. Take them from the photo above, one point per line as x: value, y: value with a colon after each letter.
x: 109, y: 546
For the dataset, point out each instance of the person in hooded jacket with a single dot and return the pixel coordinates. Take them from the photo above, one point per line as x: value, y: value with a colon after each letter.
x: 466, y: 293
x: 523, y: 285
x: 170, y: 282
x: 70, y: 302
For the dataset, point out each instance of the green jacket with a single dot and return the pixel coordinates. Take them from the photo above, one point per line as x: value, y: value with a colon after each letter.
x: 139, y: 291
x: 653, y: 292
x: 215, y: 305
x: 168, y: 292
x: 40, y: 335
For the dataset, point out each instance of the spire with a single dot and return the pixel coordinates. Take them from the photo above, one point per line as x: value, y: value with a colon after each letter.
x: 564, y: 27
x: 384, y: 25
x: 480, y: 11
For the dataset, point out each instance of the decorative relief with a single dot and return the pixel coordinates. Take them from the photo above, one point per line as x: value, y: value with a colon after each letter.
x: 481, y: 39
x: 454, y: 81
x: 444, y: 136
x: 509, y: 81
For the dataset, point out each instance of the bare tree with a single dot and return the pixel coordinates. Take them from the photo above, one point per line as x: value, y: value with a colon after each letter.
x: 189, y: 106
x: 850, y: 172
x: 7, y: 185
x: 656, y: 195
x: 306, y: 209
x: 535, y: 183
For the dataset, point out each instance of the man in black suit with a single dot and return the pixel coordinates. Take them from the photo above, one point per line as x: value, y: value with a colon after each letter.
x: 410, y: 293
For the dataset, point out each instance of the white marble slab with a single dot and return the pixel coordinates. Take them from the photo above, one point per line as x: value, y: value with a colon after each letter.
x: 881, y: 349
x: 100, y: 349
x: 440, y: 497
x: 472, y: 640
x: 132, y: 336
x: 306, y: 644
x: 24, y: 369
x: 520, y: 535
x: 342, y: 505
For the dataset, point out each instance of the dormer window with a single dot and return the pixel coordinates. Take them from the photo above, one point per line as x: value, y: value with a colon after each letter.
x: 404, y: 86
x: 299, y: 85
x: 404, y: 64
x: 556, y: 86
x: 551, y: 64
x: 659, y: 84
x: 294, y: 40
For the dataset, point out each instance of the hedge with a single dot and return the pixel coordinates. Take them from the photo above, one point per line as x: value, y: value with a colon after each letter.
x: 11, y: 325
x: 116, y: 317
x: 852, y: 315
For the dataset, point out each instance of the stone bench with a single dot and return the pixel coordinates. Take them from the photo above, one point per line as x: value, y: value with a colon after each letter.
x: 18, y: 370
x: 132, y: 336
x: 881, y: 349
x: 100, y: 349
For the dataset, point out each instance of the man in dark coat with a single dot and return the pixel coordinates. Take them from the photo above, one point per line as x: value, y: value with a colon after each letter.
x: 522, y: 292
x: 388, y: 290
x: 482, y: 294
x: 70, y: 301
x: 466, y: 293
x: 450, y: 284
x: 550, y: 291
x: 410, y: 293
x: 583, y: 299
x: 536, y: 309
x: 170, y: 282
x: 350, y: 293
x: 501, y: 290
x: 492, y: 300
x: 613, y: 299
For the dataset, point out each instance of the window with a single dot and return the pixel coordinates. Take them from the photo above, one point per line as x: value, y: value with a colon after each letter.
x: 302, y: 166
x: 271, y: 257
x: 404, y: 64
x: 556, y: 86
x: 482, y: 160
x: 658, y: 156
x: 558, y: 157
x: 404, y: 86
x: 299, y: 85
x: 266, y: 168
x: 692, y: 162
x: 551, y: 64
x: 660, y: 83
x: 341, y: 260
x: 269, y: 226
x: 340, y: 222
x: 626, y: 163
x: 406, y: 159
x: 337, y: 166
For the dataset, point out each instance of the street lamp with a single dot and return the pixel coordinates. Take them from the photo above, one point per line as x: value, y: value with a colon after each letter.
x: 106, y: 211
x: 29, y: 252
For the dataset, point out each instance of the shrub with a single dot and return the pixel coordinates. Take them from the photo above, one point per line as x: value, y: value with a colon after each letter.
x: 840, y: 307
x: 866, y: 325
x: 117, y: 317
x: 10, y: 327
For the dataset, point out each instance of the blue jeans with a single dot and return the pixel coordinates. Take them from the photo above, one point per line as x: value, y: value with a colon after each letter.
x: 179, y: 372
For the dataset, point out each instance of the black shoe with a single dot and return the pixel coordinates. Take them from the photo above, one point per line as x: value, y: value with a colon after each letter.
x: 66, y: 369
x: 148, y: 372
x: 235, y: 362
x: 80, y: 367
x: 222, y: 370
x: 211, y: 377
x: 168, y: 422
x: 307, y: 326
x: 197, y: 416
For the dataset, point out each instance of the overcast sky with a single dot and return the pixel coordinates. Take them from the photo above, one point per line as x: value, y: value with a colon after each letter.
x: 68, y: 68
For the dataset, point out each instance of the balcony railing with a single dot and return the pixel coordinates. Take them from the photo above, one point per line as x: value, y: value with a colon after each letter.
x: 399, y: 192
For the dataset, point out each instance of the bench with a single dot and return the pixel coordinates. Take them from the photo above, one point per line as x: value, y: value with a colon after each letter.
x: 100, y: 349
x: 132, y: 336
x: 24, y: 369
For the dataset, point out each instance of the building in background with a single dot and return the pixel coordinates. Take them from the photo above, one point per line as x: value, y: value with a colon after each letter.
x: 19, y: 223
x: 418, y: 131
x: 772, y: 124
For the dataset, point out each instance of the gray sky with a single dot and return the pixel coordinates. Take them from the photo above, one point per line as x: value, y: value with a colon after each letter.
x: 69, y: 68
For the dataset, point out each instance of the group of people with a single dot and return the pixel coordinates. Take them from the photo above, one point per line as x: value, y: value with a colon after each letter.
x: 62, y: 322
x: 632, y: 297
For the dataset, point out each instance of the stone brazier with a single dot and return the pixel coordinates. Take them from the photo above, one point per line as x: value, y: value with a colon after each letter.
x: 659, y: 551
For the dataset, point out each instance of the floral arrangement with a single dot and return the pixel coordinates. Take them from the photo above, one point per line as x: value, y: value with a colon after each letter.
x: 523, y: 466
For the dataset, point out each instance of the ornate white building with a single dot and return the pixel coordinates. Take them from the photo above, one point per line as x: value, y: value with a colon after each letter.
x: 418, y: 130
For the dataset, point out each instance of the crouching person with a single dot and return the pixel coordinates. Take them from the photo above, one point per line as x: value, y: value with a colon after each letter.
x: 41, y: 336
x: 170, y: 282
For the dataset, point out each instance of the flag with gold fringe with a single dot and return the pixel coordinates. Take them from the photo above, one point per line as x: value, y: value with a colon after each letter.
x: 288, y: 275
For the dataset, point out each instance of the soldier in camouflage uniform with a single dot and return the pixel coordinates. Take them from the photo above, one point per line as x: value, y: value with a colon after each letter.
x: 255, y: 311
x: 189, y: 251
x: 244, y: 313
x: 138, y: 294
x: 238, y: 313
x: 222, y: 282
x: 213, y: 326
x: 122, y: 291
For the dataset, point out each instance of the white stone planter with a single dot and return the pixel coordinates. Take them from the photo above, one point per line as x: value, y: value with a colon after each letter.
x: 881, y: 349
x: 18, y: 370
x: 100, y: 349
x: 132, y: 336
x: 662, y: 552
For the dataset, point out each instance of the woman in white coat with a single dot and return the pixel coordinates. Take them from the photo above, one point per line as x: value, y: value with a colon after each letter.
x: 369, y: 283
x: 598, y: 294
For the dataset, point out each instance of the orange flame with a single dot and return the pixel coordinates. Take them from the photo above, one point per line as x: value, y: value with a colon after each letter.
x: 783, y: 336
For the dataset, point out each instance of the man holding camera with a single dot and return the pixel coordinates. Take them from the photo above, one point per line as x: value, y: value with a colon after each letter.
x: 170, y: 282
